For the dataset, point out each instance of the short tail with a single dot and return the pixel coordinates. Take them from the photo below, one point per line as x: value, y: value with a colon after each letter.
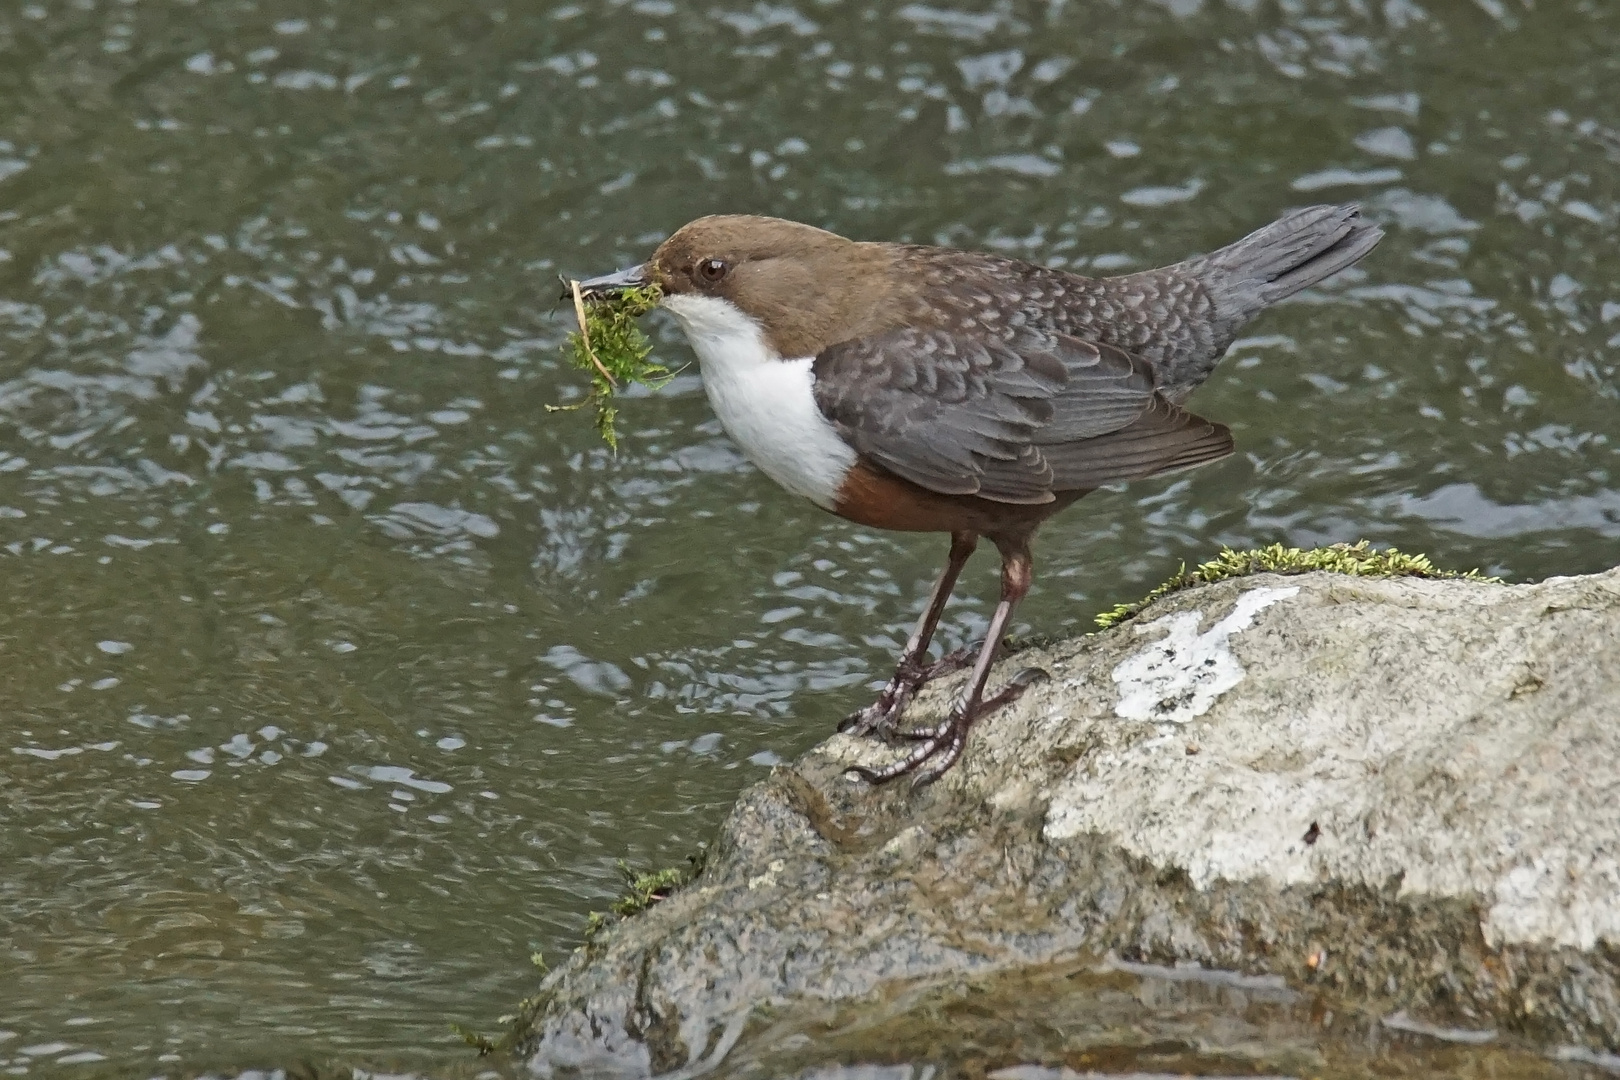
x: 1292, y: 253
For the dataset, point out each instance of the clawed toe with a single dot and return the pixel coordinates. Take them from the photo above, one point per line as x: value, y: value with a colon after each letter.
x: 860, y: 722
x: 882, y: 717
x: 938, y: 748
x: 1015, y: 688
x: 879, y: 718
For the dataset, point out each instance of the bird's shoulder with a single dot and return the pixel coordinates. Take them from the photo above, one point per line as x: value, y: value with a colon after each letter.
x: 989, y: 287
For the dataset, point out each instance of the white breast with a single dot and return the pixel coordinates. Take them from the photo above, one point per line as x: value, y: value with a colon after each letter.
x: 765, y: 403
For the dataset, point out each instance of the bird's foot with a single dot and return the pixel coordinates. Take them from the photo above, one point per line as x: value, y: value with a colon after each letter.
x: 937, y: 748
x: 882, y: 717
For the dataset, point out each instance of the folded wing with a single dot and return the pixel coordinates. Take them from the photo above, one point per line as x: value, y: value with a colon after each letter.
x: 1013, y: 417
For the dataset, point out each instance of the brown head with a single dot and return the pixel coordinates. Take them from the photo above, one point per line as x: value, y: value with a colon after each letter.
x: 807, y: 288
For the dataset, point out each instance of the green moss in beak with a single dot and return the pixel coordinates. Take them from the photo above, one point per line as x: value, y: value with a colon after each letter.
x: 611, y: 348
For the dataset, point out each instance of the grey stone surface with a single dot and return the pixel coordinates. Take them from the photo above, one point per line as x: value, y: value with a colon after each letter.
x: 1400, y: 797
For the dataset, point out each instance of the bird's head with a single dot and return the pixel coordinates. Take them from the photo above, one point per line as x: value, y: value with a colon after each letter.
x: 805, y: 288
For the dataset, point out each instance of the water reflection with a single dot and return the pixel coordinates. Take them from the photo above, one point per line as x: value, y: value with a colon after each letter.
x: 339, y: 675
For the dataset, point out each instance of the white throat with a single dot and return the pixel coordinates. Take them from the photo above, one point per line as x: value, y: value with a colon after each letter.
x: 764, y: 402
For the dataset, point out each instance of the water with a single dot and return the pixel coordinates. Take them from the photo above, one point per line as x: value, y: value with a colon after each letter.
x: 338, y: 676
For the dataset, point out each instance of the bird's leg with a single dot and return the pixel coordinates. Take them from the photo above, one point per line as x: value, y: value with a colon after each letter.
x: 939, y: 747
x: 914, y: 669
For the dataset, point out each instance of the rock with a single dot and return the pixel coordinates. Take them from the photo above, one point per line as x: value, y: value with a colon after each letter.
x: 1267, y: 823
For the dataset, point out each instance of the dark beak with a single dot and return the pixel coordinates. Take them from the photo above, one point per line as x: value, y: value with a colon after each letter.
x: 608, y: 284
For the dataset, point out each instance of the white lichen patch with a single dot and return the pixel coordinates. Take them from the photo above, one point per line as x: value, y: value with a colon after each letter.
x: 768, y: 878
x: 1181, y: 675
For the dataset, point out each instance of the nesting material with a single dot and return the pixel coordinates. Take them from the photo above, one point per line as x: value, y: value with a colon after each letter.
x: 611, y: 348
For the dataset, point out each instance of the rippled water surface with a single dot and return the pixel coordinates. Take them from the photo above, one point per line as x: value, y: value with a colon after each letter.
x: 336, y: 675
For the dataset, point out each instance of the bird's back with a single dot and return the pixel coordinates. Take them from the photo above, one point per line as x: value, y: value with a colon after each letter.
x: 1180, y: 318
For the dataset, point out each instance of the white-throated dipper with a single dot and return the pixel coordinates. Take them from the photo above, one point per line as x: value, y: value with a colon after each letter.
x: 928, y: 389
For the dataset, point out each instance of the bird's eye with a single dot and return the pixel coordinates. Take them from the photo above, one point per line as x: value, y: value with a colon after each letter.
x: 712, y: 270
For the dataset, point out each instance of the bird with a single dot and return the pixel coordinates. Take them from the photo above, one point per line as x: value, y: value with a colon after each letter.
x: 929, y: 389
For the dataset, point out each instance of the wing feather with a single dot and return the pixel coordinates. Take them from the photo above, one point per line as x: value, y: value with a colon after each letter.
x: 1013, y: 415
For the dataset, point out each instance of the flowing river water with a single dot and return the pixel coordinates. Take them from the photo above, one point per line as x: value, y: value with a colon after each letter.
x: 337, y: 676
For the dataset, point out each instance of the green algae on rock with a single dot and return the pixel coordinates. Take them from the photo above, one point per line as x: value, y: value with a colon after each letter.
x: 612, y: 348
x: 642, y: 891
x: 1360, y: 559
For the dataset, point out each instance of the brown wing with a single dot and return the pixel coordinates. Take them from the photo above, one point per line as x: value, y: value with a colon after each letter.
x: 1013, y: 417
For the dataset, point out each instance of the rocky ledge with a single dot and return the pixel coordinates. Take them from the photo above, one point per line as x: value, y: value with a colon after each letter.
x: 1263, y: 824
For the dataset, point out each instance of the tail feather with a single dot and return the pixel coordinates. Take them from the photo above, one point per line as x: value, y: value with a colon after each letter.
x: 1292, y: 253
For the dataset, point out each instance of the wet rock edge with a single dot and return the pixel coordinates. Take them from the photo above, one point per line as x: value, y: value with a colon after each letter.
x: 806, y: 830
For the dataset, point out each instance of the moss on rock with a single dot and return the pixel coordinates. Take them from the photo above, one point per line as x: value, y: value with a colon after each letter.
x: 1360, y: 559
x: 642, y: 891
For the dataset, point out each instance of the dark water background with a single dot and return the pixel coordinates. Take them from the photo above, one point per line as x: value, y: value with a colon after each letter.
x: 336, y: 675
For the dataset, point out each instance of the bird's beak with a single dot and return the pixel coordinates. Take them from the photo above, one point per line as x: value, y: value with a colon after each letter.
x: 608, y: 284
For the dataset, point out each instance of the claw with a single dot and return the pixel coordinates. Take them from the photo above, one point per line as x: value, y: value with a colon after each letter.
x: 1016, y: 686
x: 945, y: 742
x: 940, y: 747
x: 881, y: 717
x: 952, y: 750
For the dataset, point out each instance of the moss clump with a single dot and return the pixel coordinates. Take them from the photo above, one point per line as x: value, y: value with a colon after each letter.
x: 612, y: 349
x: 642, y: 891
x: 647, y: 889
x: 1360, y: 559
